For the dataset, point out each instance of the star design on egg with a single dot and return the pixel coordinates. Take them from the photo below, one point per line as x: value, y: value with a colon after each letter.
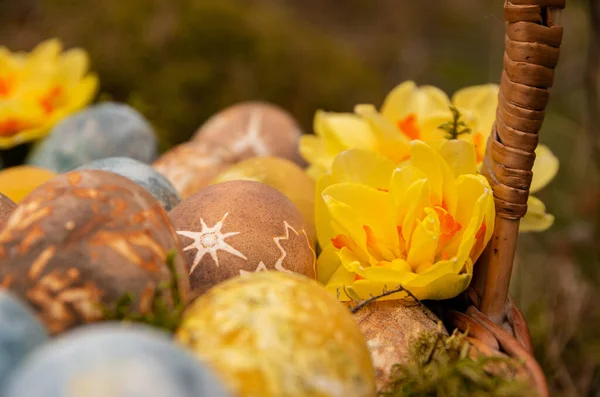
x: 277, y: 240
x: 260, y: 268
x: 251, y: 139
x: 210, y: 240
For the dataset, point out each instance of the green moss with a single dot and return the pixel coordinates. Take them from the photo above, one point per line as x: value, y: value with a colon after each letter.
x: 440, y: 367
x: 162, y: 314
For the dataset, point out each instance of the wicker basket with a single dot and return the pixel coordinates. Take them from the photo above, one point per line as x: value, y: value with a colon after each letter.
x: 532, y: 46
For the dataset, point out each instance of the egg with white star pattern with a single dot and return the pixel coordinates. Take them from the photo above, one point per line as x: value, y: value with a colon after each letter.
x: 253, y: 129
x: 239, y: 227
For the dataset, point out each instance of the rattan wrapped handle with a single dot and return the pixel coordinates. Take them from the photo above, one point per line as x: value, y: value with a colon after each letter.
x: 532, y: 46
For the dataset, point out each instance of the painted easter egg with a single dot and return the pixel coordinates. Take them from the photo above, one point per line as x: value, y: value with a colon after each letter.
x: 390, y: 327
x: 142, y: 174
x: 113, y: 360
x: 284, y: 176
x: 20, y: 334
x: 105, y: 130
x: 253, y: 129
x: 6, y: 207
x: 17, y: 182
x: 192, y: 165
x: 241, y: 227
x: 81, y: 242
x: 276, y: 334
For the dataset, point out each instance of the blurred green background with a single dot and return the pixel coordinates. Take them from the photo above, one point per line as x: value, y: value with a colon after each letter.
x: 180, y: 61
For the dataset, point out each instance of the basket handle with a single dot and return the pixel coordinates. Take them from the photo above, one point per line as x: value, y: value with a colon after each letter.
x: 532, y: 46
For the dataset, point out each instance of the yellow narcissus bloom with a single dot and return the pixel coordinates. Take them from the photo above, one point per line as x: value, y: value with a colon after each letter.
x: 40, y: 88
x: 421, y: 225
x: 410, y: 112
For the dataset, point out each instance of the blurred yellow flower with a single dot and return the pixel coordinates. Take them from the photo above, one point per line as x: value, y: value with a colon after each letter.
x: 421, y: 225
x: 410, y: 112
x: 39, y: 88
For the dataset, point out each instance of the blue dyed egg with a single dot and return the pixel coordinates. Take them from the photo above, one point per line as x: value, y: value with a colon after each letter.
x: 142, y: 174
x: 20, y: 333
x: 105, y: 130
x: 113, y: 360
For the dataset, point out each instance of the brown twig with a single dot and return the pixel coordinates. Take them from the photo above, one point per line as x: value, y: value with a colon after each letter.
x: 360, y: 305
x: 383, y: 295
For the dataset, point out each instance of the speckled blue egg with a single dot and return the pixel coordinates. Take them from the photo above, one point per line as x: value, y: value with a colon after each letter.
x: 113, y: 360
x: 20, y: 333
x: 100, y: 131
x: 142, y: 174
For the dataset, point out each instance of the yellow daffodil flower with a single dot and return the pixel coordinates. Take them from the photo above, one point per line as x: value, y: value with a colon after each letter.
x: 410, y: 112
x: 40, y: 88
x: 421, y: 225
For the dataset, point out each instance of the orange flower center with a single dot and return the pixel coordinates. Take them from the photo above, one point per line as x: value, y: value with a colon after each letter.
x: 408, y: 126
x: 448, y: 228
x: 479, y: 239
x: 52, y: 99
x: 5, y: 86
x: 479, y: 149
x: 10, y: 127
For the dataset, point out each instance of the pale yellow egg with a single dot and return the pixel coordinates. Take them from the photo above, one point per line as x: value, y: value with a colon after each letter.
x: 273, y: 334
x: 18, y: 182
x: 283, y: 175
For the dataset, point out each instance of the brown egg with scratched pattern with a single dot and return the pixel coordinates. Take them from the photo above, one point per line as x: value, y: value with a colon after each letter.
x: 192, y: 165
x: 6, y: 207
x: 253, y: 129
x: 81, y: 242
x: 240, y: 227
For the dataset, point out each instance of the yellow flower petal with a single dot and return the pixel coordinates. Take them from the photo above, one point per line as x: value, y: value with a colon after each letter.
x: 408, y: 206
x: 323, y: 219
x: 327, y: 263
x: 472, y: 224
x: 460, y: 155
x: 312, y: 148
x: 39, y: 89
x: 545, y: 168
x: 429, y: 126
x: 480, y: 101
x: 407, y: 99
x: 363, y: 167
x: 439, y: 175
x: 440, y: 282
x: 73, y: 65
x: 424, y: 241
x: 367, y: 208
x: 536, y: 219
x: 44, y: 52
x: 389, y: 141
x: 344, y: 131
x: 339, y: 282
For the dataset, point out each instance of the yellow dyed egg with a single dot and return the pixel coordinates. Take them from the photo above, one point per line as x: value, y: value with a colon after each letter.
x: 18, y: 182
x: 282, y: 175
x: 274, y: 334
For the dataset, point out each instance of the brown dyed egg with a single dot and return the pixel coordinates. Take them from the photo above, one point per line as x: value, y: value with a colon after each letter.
x: 83, y: 240
x: 241, y: 227
x: 390, y: 327
x: 191, y: 166
x: 253, y: 129
x: 6, y: 207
